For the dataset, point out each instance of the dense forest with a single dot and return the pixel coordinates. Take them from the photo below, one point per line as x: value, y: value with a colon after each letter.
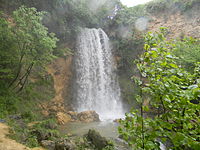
x: 159, y: 74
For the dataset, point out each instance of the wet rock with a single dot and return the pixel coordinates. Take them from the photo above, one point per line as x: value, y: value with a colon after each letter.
x: 74, y: 115
x: 53, y: 110
x: 65, y: 144
x: 2, y: 121
x: 88, y: 116
x: 50, y: 145
x: 97, y: 140
x: 41, y: 135
x: 45, y: 113
x: 15, y: 117
x: 18, y: 120
x: 120, y: 144
x: 51, y: 125
x: 57, y: 73
x: 63, y: 118
x: 117, y: 120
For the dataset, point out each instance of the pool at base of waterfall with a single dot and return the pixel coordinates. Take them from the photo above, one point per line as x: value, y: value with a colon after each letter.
x: 107, y: 129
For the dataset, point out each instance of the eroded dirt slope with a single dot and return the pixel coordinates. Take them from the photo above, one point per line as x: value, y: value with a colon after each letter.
x: 9, y: 144
x: 179, y: 23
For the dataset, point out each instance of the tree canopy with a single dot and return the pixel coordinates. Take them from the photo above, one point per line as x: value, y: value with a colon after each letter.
x: 25, y: 43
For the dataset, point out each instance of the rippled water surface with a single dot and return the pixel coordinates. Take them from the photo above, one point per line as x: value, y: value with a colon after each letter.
x: 107, y: 128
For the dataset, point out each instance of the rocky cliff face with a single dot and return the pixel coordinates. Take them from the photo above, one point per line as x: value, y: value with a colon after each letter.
x: 61, y: 71
x: 179, y: 23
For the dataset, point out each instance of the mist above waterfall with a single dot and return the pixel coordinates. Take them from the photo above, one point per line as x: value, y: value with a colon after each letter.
x: 96, y: 84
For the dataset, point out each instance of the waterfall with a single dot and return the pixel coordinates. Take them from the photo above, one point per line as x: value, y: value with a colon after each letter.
x: 96, y: 84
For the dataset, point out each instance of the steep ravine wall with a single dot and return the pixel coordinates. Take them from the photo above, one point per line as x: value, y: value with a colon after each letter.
x: 61, y: 71
x: 179, y: 23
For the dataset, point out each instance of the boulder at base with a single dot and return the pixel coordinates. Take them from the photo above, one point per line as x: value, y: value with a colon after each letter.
x: 50, y: 145
x: 63, y: 118
x: 73, y: 115
x: 65, y: 144
x: 97, y: 140
x: 88, y: 116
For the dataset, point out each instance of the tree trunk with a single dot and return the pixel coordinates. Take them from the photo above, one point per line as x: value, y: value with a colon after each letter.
x: 26, y: 78
x: 18, y: 72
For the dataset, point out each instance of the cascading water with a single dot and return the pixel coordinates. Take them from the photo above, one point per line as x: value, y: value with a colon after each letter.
x: 96, y: 84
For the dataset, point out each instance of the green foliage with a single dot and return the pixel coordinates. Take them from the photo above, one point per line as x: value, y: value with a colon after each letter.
x: 62, y: 52
x: 28, y: 115
x: 110, y: 146
x: 127, y: 16
x: 104, y: 11
x: 127, y: 42
x: 42, y: 89
x: 45, y: 128
x: 32, y: 36
x: 156, y: 6
x: 125, y: 32
x: 32, y: 142
x: 128, y: 49
x: 82, y: 143
x: 78, y: 15
x: 66, y: 17
x: 18, y: 130
x: 133, y: 131
x: 88, y: 13
x: 8, y: 102
x: 188, y: 50
x: 34, y: 94
x: 7, y: 54
x: 31, y: 135
x: 174, y: 98
x: 25, y: 49
x: 127, y: 89
x: 25, y: 44
x: 27, y: 102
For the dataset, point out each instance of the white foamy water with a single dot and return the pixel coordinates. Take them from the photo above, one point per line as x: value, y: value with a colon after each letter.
x: 96, y: 84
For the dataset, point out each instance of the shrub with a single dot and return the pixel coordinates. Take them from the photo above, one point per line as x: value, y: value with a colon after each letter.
x: 174, y: 98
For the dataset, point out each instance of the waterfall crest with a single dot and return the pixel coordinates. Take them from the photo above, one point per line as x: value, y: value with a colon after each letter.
x: 96, y: 84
